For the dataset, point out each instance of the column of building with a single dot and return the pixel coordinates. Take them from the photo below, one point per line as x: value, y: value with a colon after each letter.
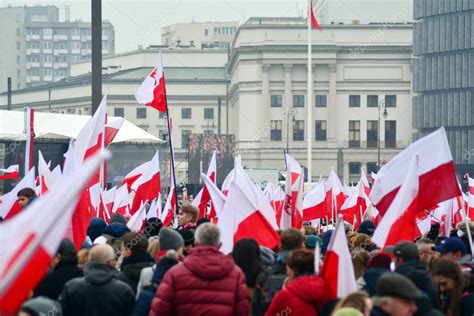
x: 288, y: 104
x: 332, y: 104
x: 264, y: 133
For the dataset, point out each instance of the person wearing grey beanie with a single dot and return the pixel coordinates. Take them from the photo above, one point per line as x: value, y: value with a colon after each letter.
x: 41, y: 305
x: 170, y: 239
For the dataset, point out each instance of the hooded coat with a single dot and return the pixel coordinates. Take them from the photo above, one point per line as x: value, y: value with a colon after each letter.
x: 206, y: 283
x: 302, y: 296
x: 99, y: 292
x: 132, y: 267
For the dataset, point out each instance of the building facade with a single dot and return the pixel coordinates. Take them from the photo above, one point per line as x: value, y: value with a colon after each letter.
x: 356, y: 68
x: 199, y: 35
x: 443, y: 79
x: 37, y: 47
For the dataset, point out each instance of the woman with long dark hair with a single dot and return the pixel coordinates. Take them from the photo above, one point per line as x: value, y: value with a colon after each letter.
x: 246, y: 255
x: 454, y: 297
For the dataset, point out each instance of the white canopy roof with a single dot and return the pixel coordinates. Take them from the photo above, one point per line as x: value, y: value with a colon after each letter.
x: 65, y: 126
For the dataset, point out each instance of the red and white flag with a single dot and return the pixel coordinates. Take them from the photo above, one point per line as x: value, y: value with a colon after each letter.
x: 365, y: 182
x: 436, y: 173
x: 30, y: 136
x: 217, y: 197
x: 46, y: 178
x: 314, y: 204
x: 170, y: 207
x: 12, y: 172
x: 148, y: 185
x: 470, y: 197
x: 10, y: 206
x: 399, y: 222
x: 276, y: 198
x: 135, y: 174
x: 203, y: 197
x: 311, y: 17
x: 152, y: 91
x: 121, y: 201
x: 335, y: 195
x: 111, y: 130
x: 292, y: 187
x: 355, y: 205
x: 135, y: 223
x: 31, y: 239
x: 241, y: 218
x: 337, y: 268
x: 155, y: 208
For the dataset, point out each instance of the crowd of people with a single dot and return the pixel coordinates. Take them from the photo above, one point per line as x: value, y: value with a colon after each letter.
x: 166, y: 271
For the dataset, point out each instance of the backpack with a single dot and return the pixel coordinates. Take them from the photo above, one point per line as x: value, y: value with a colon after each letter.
x: 271, y: 282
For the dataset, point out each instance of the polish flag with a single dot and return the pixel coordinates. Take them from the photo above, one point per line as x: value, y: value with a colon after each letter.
x: 217, y: 197
x: 423, y: 225
x: 241, y: 218
x: 147, y: 186
x: 446, y: 223
x: 31, y: 239
x: 470, y: 197
x: 399, y: 222
x: 135, y: 223
x: 354, y: 206
x: 10, y: 206
x: 121, y: 201
x: 312, y: 18
x: 136, y: 173
x: 297, y: 201
x: 11, y: 172
x: 365, y: 183
x: 170, y: 207
x: 292, y: 186
x: 335, y: 195
x: 276, y: 197
x: 46, y: 178
x: 155, y: 208
x: 106, y: 204
x: 203, y: 197
x: 230, y: 176
x: 337, y: 268
x: 436, y: 173
x: 314, y: 204
x: 111, y: 130
x: 152, y: 91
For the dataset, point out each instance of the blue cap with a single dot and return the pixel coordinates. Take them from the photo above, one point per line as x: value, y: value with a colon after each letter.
x: 451, y: 244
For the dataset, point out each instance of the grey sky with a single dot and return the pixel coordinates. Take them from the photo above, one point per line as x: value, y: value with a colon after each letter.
x: 140, y: 22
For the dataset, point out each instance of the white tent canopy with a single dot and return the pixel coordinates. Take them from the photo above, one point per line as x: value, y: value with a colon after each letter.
x: 65, y: 126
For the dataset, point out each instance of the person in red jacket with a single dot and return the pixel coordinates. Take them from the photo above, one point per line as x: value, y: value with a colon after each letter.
x: 303, y: 292
x: 206, y: 283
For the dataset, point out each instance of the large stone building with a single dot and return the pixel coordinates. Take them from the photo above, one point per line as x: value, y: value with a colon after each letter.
x: 36, y: 47
x: 200, y: 35
x: 443, y: 78
x: 356, y: 69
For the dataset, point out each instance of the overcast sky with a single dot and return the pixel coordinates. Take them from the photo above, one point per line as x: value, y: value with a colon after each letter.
x: 139, y: 22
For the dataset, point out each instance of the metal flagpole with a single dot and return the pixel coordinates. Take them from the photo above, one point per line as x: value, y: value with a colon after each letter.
x: 309, y: 96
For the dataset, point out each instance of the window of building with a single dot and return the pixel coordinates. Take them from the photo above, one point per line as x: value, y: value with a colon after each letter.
x: 390, y: 101
x: 354, y: 168
x: 18, y: 72
x: 18, y: 45
x: 371, y: 167
x: 162, y: 114
x: 354, y: 101
x: 185, y: 138
x: 209, y: 113
x: 298, y: 101
x: 275, y: 101
x: 372, y: 134
x: 321, y: 130
x: 18, y: 31
x: 186, y: 113
x: 275, y: 130
x: 119, y: 112
x: 390, y: 134
x: 18, y: 59
x: 372, y: 101
x: 354, y: 133
x: 298, y: 130
x: 206, y: 32
x: 321, y: 101
x: 141, y: 113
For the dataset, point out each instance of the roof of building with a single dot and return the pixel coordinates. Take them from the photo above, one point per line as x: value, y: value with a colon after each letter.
x: 53, y: 126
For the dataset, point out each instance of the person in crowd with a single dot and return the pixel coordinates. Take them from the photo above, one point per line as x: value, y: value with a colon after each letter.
x: 407, y: 263
x: 40, y: 306
x: 454, y: 249
x: 246, y: 255
x: 359, y: 300
x: 362, y: 241
x: 113, y: 233
x: 360, y: 258
x: 455, y: 292
x: 271, y: 280
x: 207, y: 282
x: 187, y: 217
x: 63, y: 268
x: 135, y: 258
x: 347, y: 311
x: 26, y: 196
x: 153, y: 246
x: 376, y: 266
x: 267, y: 257
x: 152, y: 227
x: 311, y: 241
x: 96, y: 228
x: 366, y: 227
x: 395, y: 295
x: 461, y: 232
x: 188, y: 237
x: 425, y: 250
x: 82, y: 258
x: 99, y: 292
x: 303, y: 293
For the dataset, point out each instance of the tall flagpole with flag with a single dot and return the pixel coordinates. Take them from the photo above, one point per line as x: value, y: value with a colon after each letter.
x: 29, y: 134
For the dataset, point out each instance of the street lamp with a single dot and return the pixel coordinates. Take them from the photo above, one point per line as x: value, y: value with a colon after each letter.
x: 291, y: 112
x: 385, y: 114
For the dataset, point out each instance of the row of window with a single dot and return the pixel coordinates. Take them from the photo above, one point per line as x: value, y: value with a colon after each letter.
x: 354, y: 132
x: 59, y: 31
x: 354, y: 168
x: 320, y: 101
x: 223, y: 31
x: 186, y: 113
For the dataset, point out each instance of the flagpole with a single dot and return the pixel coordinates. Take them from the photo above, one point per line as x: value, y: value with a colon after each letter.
x: 171, y: 149
x: 309, y: 96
